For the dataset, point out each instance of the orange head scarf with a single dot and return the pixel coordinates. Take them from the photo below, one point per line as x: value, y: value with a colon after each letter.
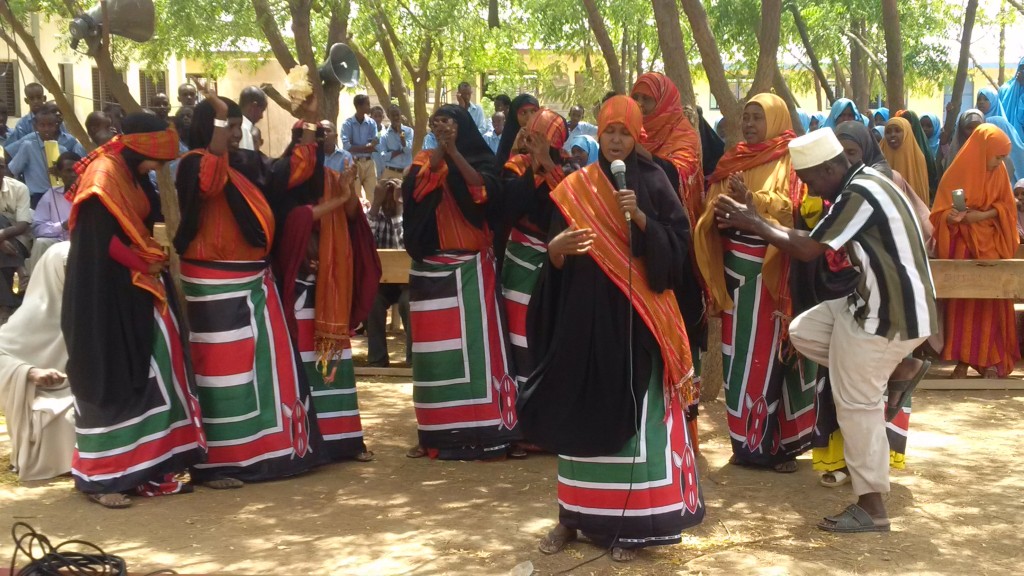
x: 984, y: 189
x: 621, y: 110
x: 669, y: 135
x: 769, y: 175
x: 908, y: 159
x: 551, y: 125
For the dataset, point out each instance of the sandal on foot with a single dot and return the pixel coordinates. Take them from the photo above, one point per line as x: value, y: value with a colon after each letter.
x: 853, y: 520
x: 835, y: 479
x: 416, y: 452
x: 517, y: 452
x: 556, y: 540
x: 114, y: 501
x: 899, y: 391
x: 365, y: 456
x: 787, y: 467
x: 224, y: 484
x: 623, y: 554
x: 991, y: 373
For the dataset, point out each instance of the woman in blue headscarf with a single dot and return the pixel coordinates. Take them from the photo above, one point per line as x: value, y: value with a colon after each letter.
x: 1016, y: 157
x: 881, y: 116
x: 817, y: 121
x: 584, y: 150
x: 805, y: 120
x: 843, y: 110
x: 989, y: 104
x: 1011, y: 96
x: 932, y: 127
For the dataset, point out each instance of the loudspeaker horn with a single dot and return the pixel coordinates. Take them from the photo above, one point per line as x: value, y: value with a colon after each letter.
x: 341, y: 67
x: 131, y: 19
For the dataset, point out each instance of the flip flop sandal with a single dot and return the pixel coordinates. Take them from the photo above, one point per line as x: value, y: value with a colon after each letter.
x: 899, y: 391
x: 853, y: 520
x: 623, y: 554
x: 416, y: 452
x: 787, y: 467
x: 122, y: 502
x: 367, y: 456
x: 224, y: 484
x: 839, y: 478
x: 551, y: 545
x: 517, y: 453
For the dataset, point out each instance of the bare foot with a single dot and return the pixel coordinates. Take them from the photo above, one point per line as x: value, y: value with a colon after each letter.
x: 991, y: 373
x: 623, y: 554
x: 556, y: 540
x: 960, y: 372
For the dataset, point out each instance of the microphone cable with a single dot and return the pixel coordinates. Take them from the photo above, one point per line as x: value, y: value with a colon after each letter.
x: 632, y: 393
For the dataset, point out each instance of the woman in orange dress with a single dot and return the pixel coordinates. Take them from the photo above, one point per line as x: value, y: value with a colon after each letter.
x: 979, y: 333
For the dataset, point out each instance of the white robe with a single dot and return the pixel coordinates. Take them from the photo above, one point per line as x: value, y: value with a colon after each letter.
x: 39, y: 422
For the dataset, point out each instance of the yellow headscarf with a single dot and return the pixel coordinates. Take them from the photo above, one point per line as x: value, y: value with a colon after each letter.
x: 768, y: 173
x: 908, y: 160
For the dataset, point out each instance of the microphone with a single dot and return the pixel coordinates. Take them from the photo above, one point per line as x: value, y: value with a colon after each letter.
x: 619, y: 173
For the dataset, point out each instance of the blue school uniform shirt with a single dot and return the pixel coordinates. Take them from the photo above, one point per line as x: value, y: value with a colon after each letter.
x: 430, y: 142
x: 337, y: 160
x: 29, y: 163
x: 492, y: 140
x: 390, y: 142
x: 356, y: 133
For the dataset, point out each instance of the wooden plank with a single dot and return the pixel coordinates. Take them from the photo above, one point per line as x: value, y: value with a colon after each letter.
x: 396, y: 264
x: 971, y: 384
x: 391, y: 372
x: 978, y: 278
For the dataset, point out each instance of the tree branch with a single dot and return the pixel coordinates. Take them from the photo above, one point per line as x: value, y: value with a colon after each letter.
x: 397, y: 82
x: 1017, y: 5
x: 984, y: 73
x: 805, y: 39
x: 670, y: 41
x: 265, y: 19
x: 711, y: 59
x: 301, y: 30
x: 879, y: 65
x: 36, y: 63
x: 782, y: 89
x: 383, y: 19
x: 604, y: 41
x: 768, y: 40
x: 961, y: 73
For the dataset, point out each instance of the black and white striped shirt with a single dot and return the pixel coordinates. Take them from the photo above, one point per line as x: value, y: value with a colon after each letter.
x: 873, y: 219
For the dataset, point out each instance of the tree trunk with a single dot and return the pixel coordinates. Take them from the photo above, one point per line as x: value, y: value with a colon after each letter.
x: 265, y: 19
x: 624, y: 55
x: 639, y: 55
x: 1016, y: 4
x: 953, y: 108
x: 711, y: 58
x: 397, y: 82
x: 1002, y: 42
x: 817, y: 92
x: 604, y: 41
x: 36, y: 64
x: 369, y: 73
x: 858, y: 69
x: 670, y: 39
x: 301, y: 30
x: 893, y: 55
x: 805, y: 39
x: 768, y: 42
x: 842, y: 86
x: 337, y: 31
x: 782, y: 89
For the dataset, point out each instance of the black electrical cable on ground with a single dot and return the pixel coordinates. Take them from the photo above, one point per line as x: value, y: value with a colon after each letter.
x: 58, y: 561
x: 632, y: 392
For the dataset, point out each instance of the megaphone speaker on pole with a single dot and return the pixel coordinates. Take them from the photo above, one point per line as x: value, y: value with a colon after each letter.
x: 131, y: 19
x: 341, y: 67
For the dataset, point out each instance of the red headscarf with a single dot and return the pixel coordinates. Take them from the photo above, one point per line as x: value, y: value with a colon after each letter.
x: 551, y: 125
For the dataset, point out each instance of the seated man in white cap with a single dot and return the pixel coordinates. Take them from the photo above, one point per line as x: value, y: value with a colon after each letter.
x: 864, y: 339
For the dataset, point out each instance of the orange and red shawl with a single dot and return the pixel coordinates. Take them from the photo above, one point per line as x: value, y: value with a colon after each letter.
x: 984, y: 189
x: 587, y: 200
x: 454, y: 232
x: 105, y: 175
x: 551, y: 125
x: 621, y: 110
x: 768, y: 174
x: 670, y: 135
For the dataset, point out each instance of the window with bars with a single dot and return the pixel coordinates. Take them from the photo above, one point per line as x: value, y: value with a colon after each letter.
x: 9, y: 88
x: 67, y: 80
x: 150, y: 85
x: 101, y: 94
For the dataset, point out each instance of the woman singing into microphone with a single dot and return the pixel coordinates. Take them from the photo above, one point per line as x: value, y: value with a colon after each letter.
x: 614, y: 369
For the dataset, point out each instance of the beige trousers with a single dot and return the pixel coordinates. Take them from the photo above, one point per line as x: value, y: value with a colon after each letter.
x: 366, y: 176
x: 859, y: 366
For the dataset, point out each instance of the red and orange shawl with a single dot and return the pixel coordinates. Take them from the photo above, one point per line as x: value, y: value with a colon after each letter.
x: 670, y: 135
x: 552, y: 127
x: 587, y: 200
x: 454, y: 232
x: 105, y: 175
x: 768, y: 173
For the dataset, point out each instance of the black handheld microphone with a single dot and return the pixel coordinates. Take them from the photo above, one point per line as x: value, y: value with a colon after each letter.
x: 619, y: 173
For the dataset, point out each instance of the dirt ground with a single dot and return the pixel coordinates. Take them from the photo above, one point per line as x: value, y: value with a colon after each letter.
x: 954, y: 509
